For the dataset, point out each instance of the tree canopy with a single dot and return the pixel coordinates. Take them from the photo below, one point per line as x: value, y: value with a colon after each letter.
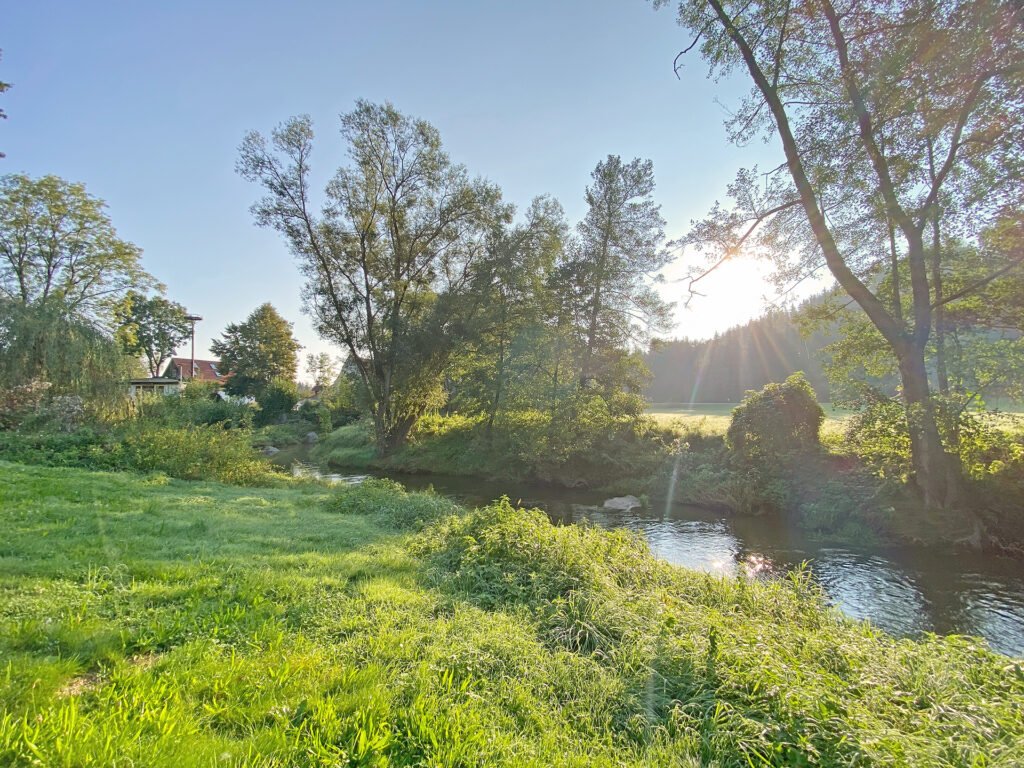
x: 391, y: 255
x: 58, y: 247
x: 257, y: 351
x: 901, y: 124
x: 151, y: 328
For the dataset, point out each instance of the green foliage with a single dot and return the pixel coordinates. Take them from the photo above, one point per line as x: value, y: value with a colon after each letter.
x: 387, y: 266
x: 198, y: 404
x: 591, y: 447
x: 257, y: 351
x: 187, y: 624
x: 878, y: 435
x: 276, y: 400
x: 60, y: 249
x: 66, y: 355
x: 151, y: 328
x: 778, y: 421
x: 84, y: 447
x: 390, y: 502
x: 196, y: 453
x: 348, y: 446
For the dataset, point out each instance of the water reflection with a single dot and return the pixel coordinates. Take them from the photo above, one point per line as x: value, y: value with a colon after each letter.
x: 903, y: 592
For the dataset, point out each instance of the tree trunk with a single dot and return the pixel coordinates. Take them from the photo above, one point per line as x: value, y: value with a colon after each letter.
x: 394, y: 435
x: 936, y: 473
x: 498, y: 386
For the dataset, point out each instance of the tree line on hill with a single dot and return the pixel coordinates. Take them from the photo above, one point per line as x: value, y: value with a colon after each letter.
x: 724, y: 368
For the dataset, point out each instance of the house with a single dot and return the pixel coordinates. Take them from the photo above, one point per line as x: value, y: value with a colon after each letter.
x: 182, y: 368
x: 156, y: 385
x: 178, y: 372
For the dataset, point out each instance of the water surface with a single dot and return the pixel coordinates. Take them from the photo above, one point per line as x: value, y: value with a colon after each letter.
x: 904, y: 591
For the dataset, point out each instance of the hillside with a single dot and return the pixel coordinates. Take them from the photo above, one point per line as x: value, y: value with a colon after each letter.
x: 721, y: 369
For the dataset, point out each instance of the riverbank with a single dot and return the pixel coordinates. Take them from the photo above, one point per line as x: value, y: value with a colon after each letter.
x: 828, y: 495
x: 188, y: 623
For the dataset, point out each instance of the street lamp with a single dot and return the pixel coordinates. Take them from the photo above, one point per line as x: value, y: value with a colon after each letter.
x: 193, y: 319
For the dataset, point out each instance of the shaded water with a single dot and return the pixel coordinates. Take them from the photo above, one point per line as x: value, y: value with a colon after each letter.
x: 904, y: 591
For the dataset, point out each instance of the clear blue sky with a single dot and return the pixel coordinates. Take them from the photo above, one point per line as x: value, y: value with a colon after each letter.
x: 146, y: 104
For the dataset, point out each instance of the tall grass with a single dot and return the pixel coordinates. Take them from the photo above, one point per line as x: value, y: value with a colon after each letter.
x: 195, y: 624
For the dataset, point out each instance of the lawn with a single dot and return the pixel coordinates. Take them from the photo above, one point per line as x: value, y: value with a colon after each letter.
x: 155, y: 622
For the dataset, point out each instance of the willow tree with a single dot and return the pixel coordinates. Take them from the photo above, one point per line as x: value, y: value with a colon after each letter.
x: 899, y: 120
x: 390, y: 255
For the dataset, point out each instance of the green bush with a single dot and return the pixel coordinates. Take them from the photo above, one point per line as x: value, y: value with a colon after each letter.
x: 199, y: 403
x: 276, y: 400
x: 196, y: 452
x: 777, y: 421
x: 85, y: 447
x: 878, y: 434
x: 389, y: 500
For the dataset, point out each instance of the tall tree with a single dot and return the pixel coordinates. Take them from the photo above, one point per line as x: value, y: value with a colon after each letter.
x: 513, y: 286
x: 890, y: 113
x: 257, y: 351
x: 617, y: 253
x: 151, y: 328
x: 324, y: 370
x: 389, y: 260
x: 58, y: 247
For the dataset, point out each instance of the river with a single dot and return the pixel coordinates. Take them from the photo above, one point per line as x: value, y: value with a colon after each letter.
x: 904, y: 591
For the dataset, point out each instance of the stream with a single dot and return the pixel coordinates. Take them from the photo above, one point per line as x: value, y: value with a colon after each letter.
x: 903, y: 591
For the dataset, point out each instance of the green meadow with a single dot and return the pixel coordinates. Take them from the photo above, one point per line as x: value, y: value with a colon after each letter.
x: 154, y: 622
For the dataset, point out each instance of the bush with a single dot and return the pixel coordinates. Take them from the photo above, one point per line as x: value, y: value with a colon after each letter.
x: 390, y: 500
x: 198, y: 404
x: 196, y: 453
x: 878, y: 434
x: 317, y: 414
x: 777, y: 421
x: 19, y: 402
x: 277, y: 399
x: 85, y: 447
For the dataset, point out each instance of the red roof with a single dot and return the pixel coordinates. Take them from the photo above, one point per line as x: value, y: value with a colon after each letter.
x: 205, y: 370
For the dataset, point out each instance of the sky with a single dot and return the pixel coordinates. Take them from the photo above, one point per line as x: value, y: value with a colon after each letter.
x: 147, y: 103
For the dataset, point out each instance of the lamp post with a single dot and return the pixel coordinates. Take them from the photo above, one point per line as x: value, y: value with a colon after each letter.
x: 193, y: 319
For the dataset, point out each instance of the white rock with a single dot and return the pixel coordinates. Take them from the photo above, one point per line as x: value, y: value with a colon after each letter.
x: 625, y: 503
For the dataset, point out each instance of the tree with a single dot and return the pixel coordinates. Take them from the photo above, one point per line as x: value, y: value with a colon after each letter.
x: 257, y: 352
x: 513, y: 285
x: 324, y: 370
x: 63, y: 354
x: 58, y: 247
x: 151, y: 328
x: 389, y: 260
x: 899, y: 120
x: 617, y: 252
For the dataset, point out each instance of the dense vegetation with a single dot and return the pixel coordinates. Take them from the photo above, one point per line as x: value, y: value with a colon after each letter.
x: 192, y: 623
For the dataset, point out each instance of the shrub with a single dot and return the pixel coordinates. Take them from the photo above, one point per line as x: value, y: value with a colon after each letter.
x: 315, y: 412
x: 196, y: 453
x: 18, y: 402
x: 198, y: 404
x: 777, y: 421
x: 388, y: 499
x: 85, y: 447
x: 878, y: 434
x: 277, y: 399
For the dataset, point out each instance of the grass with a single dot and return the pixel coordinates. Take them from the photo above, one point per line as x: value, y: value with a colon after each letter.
x: 147, y: 621
x: 713, y: 418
